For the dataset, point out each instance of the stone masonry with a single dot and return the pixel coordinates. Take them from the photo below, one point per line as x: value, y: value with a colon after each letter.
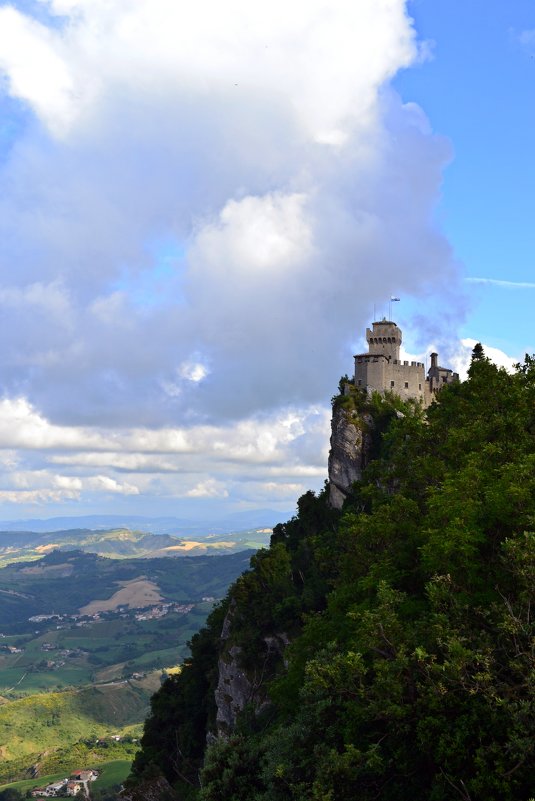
x: 382, y: 370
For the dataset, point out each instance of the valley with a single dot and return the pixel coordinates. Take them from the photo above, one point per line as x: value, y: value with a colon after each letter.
x: 85, y: 640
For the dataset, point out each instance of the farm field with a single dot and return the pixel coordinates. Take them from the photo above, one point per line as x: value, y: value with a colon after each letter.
x: 84, y: 642
x: 102, y: 651
x: 113, y: 773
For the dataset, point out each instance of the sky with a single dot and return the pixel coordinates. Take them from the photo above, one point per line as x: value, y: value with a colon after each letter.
x: 204, y: 205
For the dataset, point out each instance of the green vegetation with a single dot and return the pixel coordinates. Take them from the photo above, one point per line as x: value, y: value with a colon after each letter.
x: 24, y: 785
x: 39, y: 724
x: 112, y: 774
x: 27, y: 546
x: 409, y: 676
x: 102, y: 651
x: 69, y: 678
x: 65, y: 582
x: 112, y: 759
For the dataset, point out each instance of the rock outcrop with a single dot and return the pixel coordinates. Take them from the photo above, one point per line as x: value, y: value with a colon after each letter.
x: 235, y: 687
x: 233, y: 692
x: 350, y: 445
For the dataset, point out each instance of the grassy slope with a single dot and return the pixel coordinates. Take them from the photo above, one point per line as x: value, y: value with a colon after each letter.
x: 112, y: 773
x: 33, y: 724
x: 28, y: 784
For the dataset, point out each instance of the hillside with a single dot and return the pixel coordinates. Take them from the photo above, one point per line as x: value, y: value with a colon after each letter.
x: 84, y: 641
x: 66, y: 582
x: 123, y: 543
x: 39, y: 723
x: 384, y: 650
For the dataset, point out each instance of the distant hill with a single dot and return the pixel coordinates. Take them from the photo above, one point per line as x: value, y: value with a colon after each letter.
x: 257, y: 518
x: 99, y: 630
x: 89, y: 620
x: 121, y: 543
x: 64, y: 582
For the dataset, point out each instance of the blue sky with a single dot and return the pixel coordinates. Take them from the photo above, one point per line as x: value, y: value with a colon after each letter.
x: 478, y: 89
x: 202, y: 204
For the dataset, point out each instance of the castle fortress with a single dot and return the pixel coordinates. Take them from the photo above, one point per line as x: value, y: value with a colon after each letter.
x: 382, y: 370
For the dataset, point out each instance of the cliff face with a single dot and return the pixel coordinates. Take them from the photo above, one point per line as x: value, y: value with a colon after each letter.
x: 234, y: 690
x: 350, y: 446
x: 351, y: 439
x: 236, y: 687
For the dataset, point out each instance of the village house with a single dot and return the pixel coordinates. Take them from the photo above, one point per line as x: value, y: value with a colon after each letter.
x: 51, y: 790
x: 84, y: 775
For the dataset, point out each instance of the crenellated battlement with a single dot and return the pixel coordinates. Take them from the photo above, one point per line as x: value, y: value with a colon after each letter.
x: 381, y: 369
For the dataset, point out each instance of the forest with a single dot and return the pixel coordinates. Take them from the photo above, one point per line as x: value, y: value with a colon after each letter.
x: 408, y: 617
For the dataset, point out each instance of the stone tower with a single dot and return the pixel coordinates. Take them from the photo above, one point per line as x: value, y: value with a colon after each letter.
x: 381, y: 369
x: 384, y: 338
x: 378, y: 370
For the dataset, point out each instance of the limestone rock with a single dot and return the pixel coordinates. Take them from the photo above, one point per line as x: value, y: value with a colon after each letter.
x: 350, y: 443
x: 233, y: 692
x: 235, y: 688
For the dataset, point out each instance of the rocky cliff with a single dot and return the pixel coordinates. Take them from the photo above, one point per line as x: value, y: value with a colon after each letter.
x: 237, y: 687
x: 350, y: 446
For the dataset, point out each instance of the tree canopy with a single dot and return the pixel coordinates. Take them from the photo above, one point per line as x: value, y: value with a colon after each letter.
x: 409, y: 676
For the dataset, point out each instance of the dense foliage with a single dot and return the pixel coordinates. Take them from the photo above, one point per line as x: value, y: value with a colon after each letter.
x: 410, y: 671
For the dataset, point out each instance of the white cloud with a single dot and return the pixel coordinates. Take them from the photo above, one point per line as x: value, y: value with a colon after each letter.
x: 502, y: 283
x: 201, y: 206
x: 193, y: 371
x: 284, y: 50
x: 107, y: 484
x: 201, y: 462
x: 204, y: 127
x: 37, y: 497
x: 208, y: 489
x: 31, y: 56
x: 256, y: 234
x: 460, y: 360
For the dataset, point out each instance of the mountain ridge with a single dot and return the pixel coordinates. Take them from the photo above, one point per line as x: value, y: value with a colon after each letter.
x: 261, y: 518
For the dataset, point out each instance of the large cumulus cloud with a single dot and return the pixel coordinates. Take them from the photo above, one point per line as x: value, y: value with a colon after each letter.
x: 201, y: 203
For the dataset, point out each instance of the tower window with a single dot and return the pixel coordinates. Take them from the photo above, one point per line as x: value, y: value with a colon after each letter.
x: 406, y: 384
x: 392, y: 383
x: 419, y: 386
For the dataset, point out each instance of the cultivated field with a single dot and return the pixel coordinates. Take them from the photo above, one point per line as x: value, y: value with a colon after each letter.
x: 135, y: 594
